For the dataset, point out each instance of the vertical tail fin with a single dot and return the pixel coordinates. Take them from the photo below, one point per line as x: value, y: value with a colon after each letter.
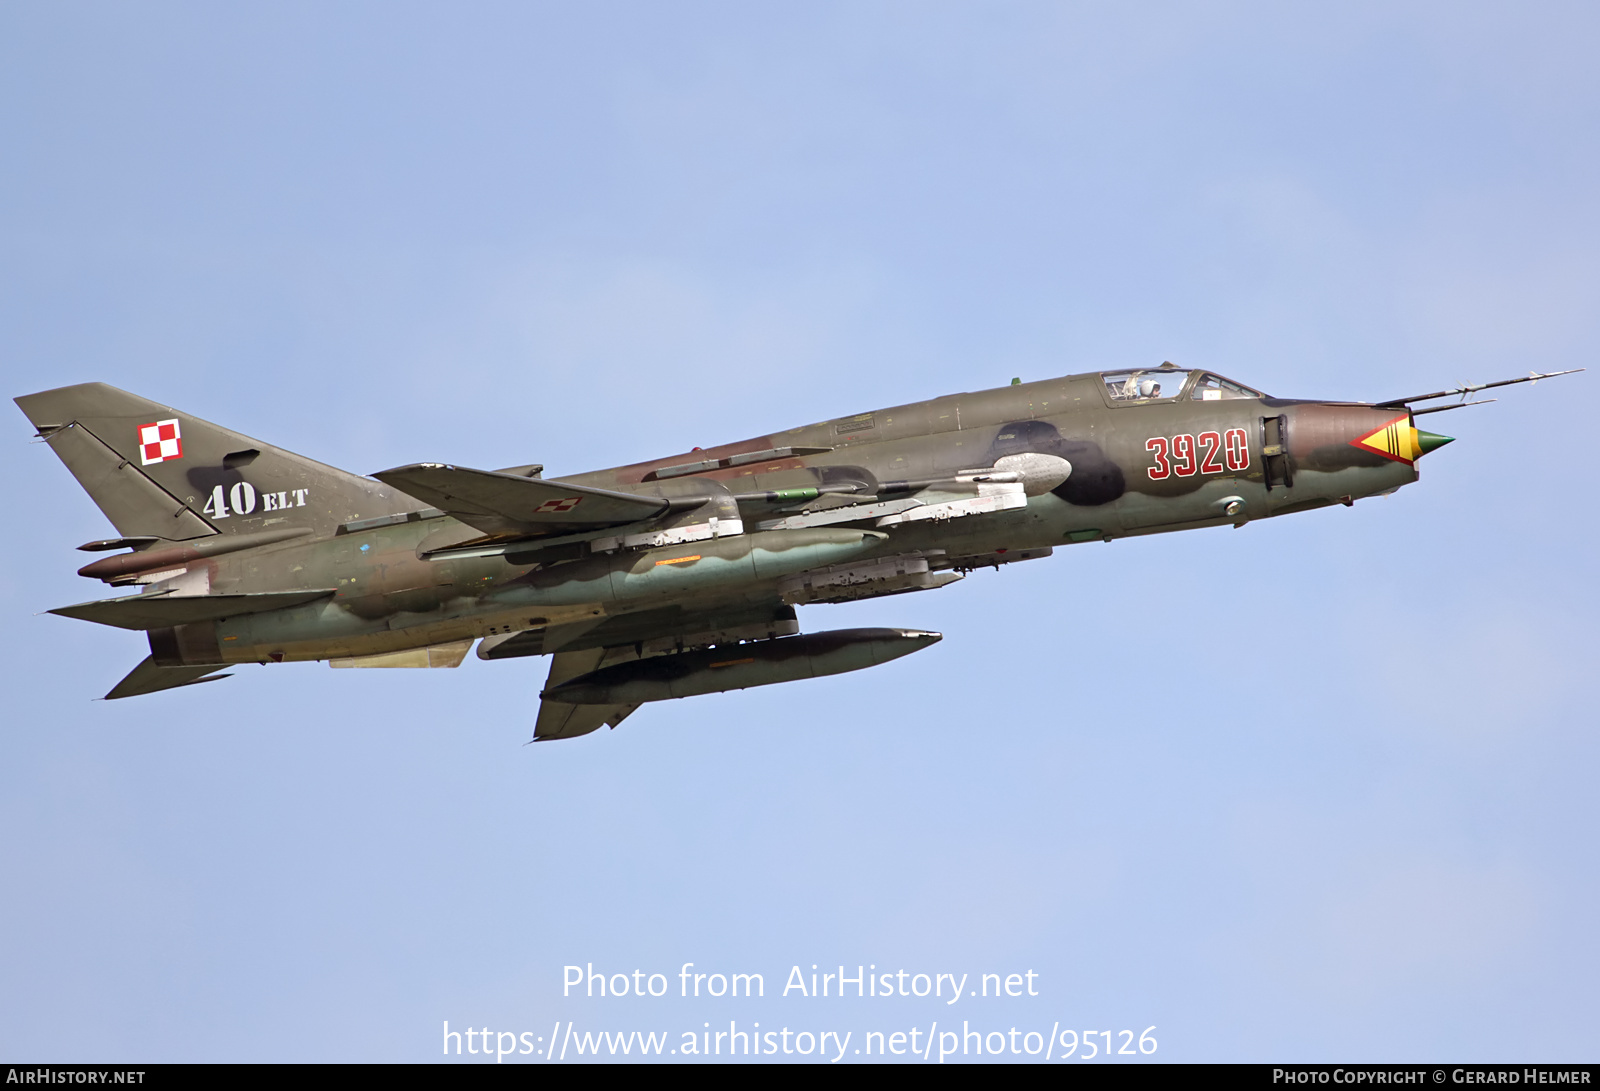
x: 158, y: 472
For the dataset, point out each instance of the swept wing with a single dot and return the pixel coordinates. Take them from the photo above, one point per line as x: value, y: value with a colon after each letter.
x: 506, y: 504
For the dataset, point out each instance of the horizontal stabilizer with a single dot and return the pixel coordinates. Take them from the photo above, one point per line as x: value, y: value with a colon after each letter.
x: 165, y: 611
x: 498, y: 503
x: 149, y: 678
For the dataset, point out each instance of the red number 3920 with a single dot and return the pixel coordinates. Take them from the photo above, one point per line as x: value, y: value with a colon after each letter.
x: 1186, y: 455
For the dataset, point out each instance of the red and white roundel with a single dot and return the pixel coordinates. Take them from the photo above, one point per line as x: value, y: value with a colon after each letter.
x: 160, y: 442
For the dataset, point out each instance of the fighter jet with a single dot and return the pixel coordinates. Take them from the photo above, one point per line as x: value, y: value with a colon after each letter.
x: 679, y: 576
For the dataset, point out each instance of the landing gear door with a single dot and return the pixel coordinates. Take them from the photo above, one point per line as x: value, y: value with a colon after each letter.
x: 1275, y: 452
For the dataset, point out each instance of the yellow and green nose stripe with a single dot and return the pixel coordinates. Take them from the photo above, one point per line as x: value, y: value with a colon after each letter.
x: 1400, y: 441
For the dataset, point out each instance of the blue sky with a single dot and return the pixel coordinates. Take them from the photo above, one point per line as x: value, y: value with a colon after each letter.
x: 1320, y: 789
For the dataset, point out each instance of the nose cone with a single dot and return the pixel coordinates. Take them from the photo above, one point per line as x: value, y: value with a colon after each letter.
x: 1431, y: 441
x: 1399, y: 440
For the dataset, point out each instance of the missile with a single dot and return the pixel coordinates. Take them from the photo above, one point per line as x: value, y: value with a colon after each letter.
x: 740, y: 666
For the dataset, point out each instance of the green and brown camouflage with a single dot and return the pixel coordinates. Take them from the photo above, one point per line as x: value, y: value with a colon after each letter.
x: 689, y: 566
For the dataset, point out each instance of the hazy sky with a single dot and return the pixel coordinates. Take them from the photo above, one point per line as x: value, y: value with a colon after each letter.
x: 1320, y: 789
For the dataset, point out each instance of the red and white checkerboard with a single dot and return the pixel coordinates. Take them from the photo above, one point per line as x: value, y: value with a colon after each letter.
x: 160, y: 442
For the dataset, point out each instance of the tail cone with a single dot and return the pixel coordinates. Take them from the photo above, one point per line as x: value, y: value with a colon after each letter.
x: 1429, y: 441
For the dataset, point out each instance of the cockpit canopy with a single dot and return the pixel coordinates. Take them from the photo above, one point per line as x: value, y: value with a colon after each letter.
x: 1166, y: 384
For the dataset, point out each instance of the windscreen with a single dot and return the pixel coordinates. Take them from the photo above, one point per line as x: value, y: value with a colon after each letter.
x: 1214, y: 388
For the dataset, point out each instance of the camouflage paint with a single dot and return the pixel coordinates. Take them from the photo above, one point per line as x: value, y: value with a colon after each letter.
x: 211, y: 512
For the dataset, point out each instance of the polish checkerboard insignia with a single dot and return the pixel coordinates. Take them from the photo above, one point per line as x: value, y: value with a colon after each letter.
x: 566, y: 503
x: 159, y: 442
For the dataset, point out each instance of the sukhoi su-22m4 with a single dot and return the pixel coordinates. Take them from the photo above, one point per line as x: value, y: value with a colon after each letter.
x: 679, y: 576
